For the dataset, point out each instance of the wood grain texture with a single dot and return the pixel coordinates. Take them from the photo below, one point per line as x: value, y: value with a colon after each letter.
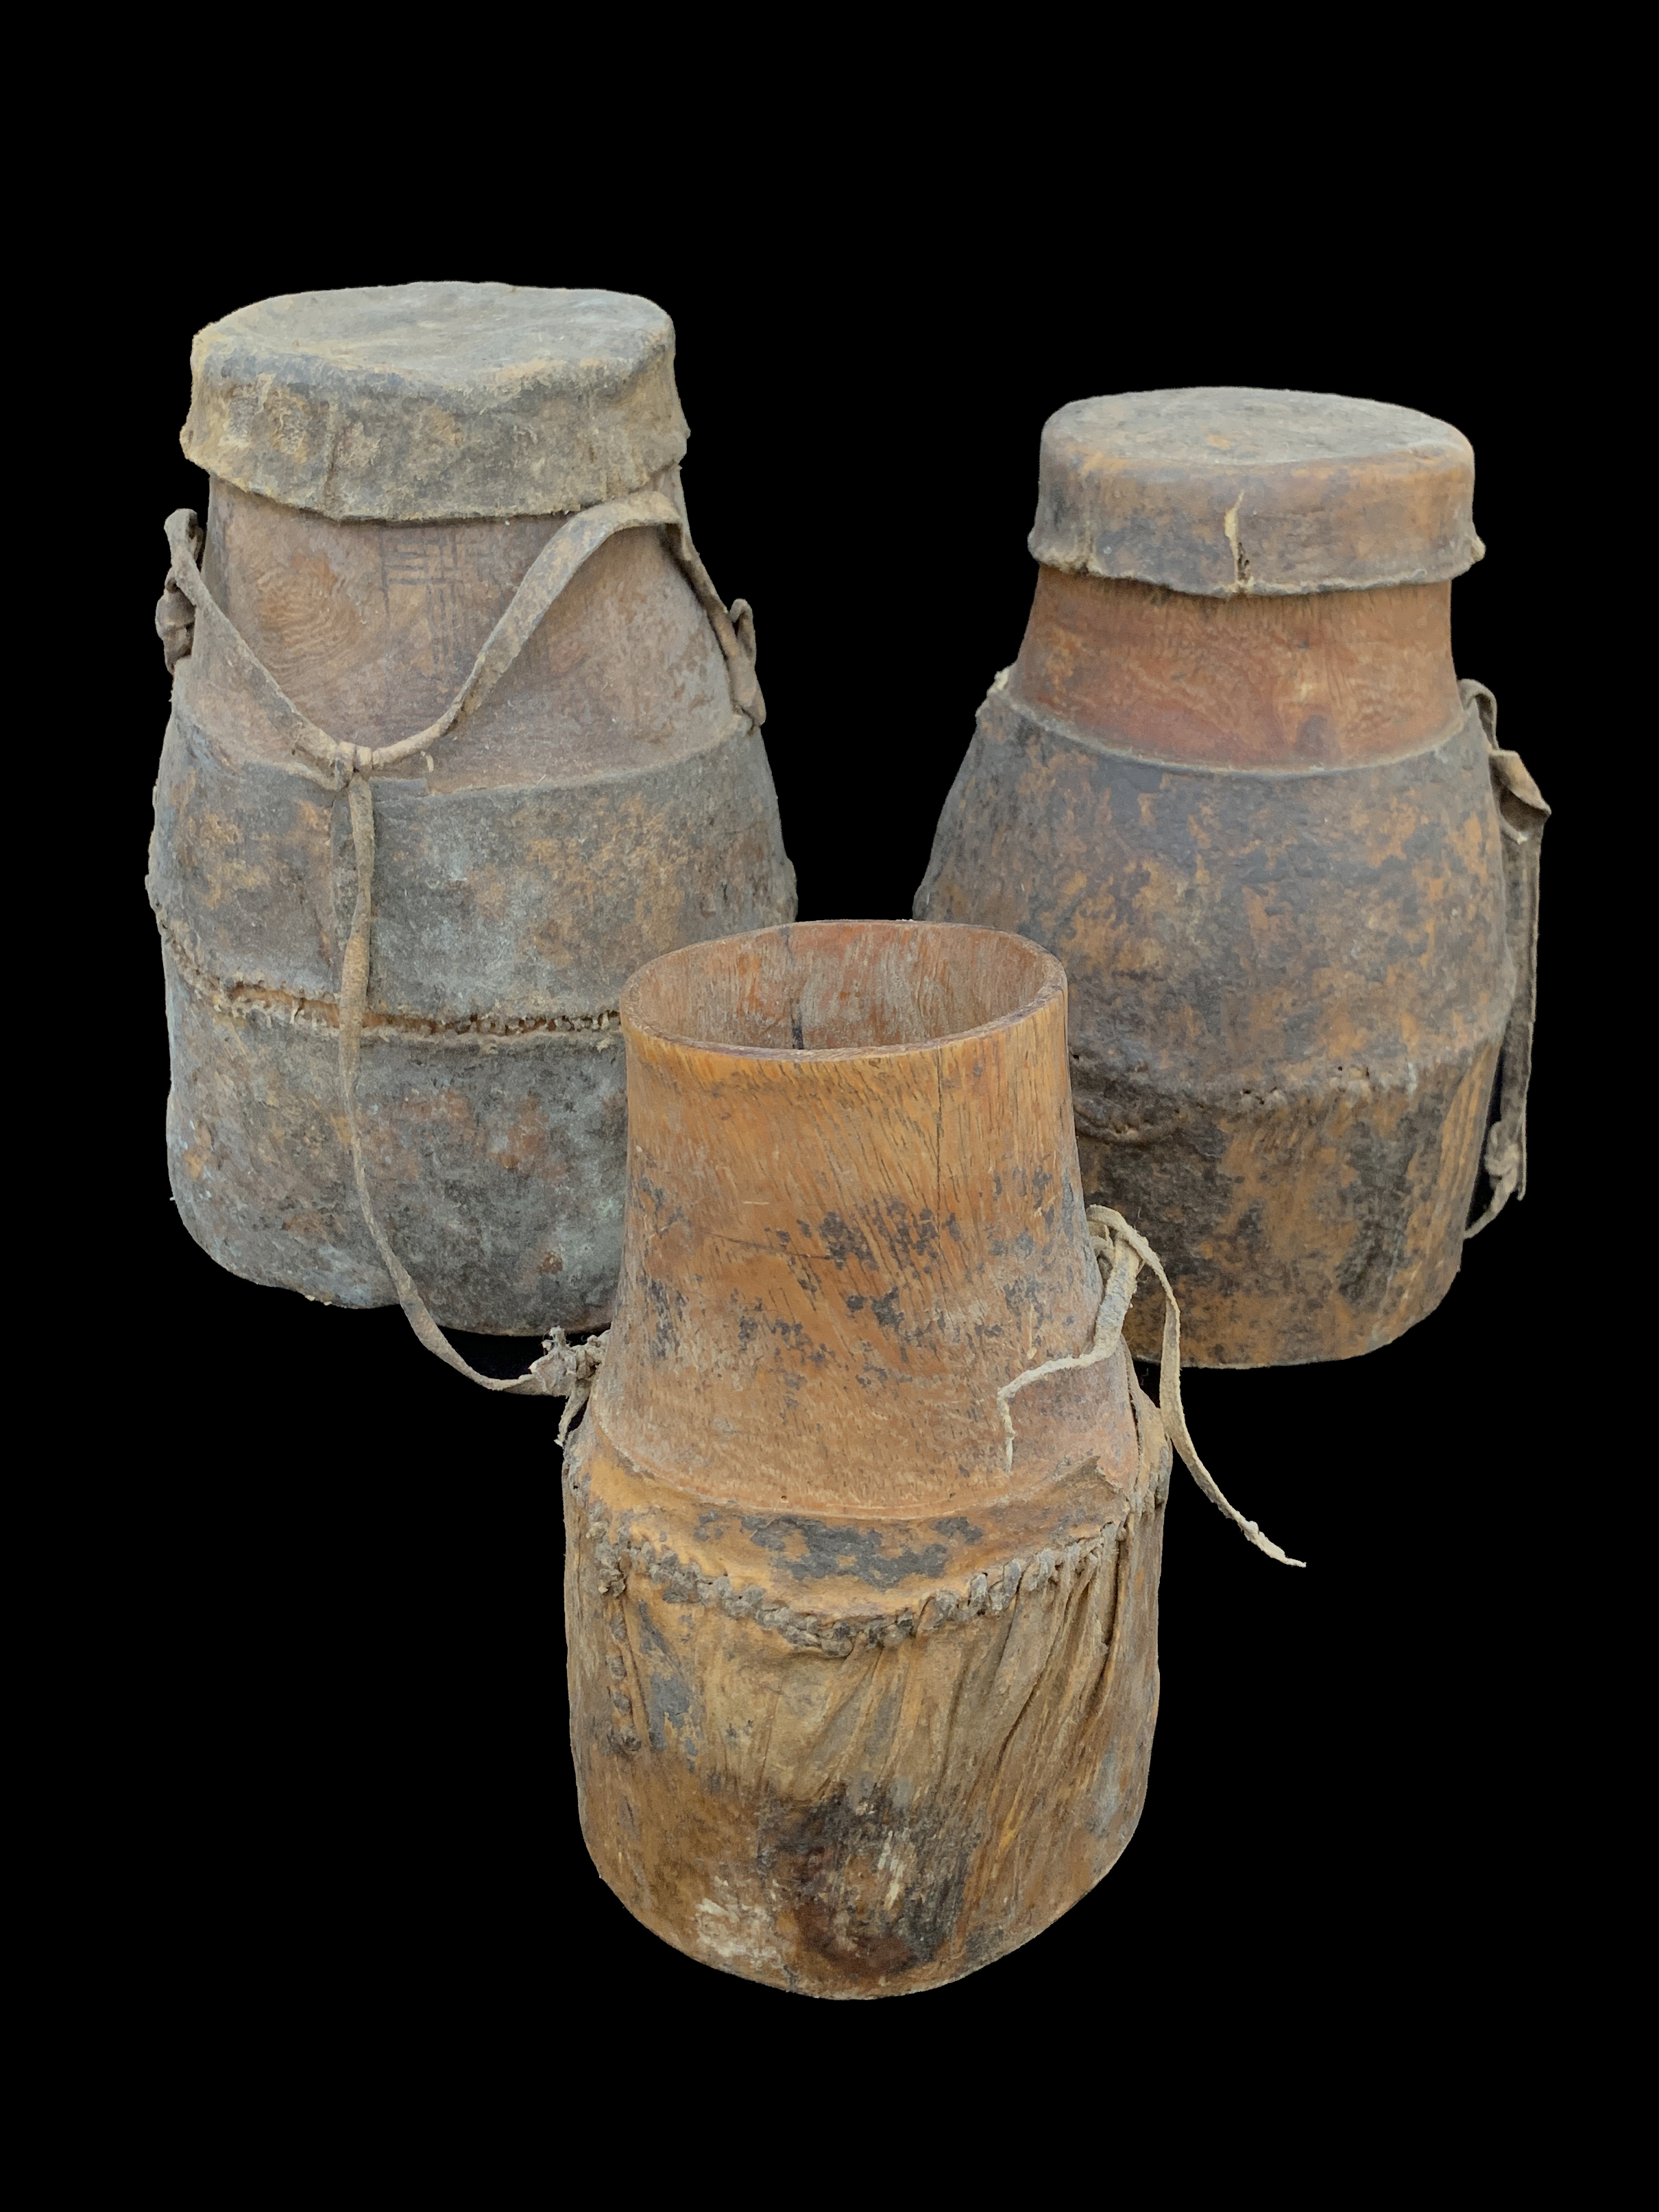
x: 371, y: 631
x: 831, y: 1245
x: 1322, y: 680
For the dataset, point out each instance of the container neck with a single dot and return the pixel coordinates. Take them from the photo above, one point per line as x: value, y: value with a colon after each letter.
x: 830, y: 1266
x: 372, y: 627
x: 1324, y: 680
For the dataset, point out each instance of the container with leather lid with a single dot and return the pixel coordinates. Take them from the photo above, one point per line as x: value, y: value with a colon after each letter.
x: 1234, y: 783
x: 452, y: 688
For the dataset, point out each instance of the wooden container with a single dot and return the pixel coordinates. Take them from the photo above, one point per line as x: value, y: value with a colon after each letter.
x: 400, y: 479
x: 862, y: 1643
x: 1233, y: 781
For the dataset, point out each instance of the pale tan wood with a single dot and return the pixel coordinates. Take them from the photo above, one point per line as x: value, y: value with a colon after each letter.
x: 1326, y: 679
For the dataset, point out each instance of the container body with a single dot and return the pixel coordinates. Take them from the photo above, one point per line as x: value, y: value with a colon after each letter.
x: 862, y: 1685
x: 1261, y: 835
x: 605, y: 804
x: 847, y: 1803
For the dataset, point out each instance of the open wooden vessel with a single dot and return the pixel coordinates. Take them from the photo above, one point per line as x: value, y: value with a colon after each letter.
x: 862, y: 1656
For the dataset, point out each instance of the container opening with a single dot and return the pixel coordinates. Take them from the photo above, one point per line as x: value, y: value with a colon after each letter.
x: 839, y: 986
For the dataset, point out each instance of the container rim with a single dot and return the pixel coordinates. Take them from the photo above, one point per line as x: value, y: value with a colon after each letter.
x: 1051, y: 986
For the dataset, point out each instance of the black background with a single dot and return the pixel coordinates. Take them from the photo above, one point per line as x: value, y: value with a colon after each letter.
x: 329, y: 1569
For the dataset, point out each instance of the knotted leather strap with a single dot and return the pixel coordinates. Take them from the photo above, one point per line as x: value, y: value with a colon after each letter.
x: 564, y: 1369
x: 328, y: 761
x: 1121, y: 1251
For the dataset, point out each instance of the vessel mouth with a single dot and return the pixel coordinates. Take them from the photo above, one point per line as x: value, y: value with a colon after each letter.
x: 826, y: 989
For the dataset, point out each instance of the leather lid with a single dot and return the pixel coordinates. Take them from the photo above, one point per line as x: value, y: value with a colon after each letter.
x: 1221, y: 489
x: 407, y: 402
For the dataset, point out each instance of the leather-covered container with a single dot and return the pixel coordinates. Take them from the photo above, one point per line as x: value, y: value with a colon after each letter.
x: 1233, y: 781
x: 422, y: 495
x: 865, y: 1516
